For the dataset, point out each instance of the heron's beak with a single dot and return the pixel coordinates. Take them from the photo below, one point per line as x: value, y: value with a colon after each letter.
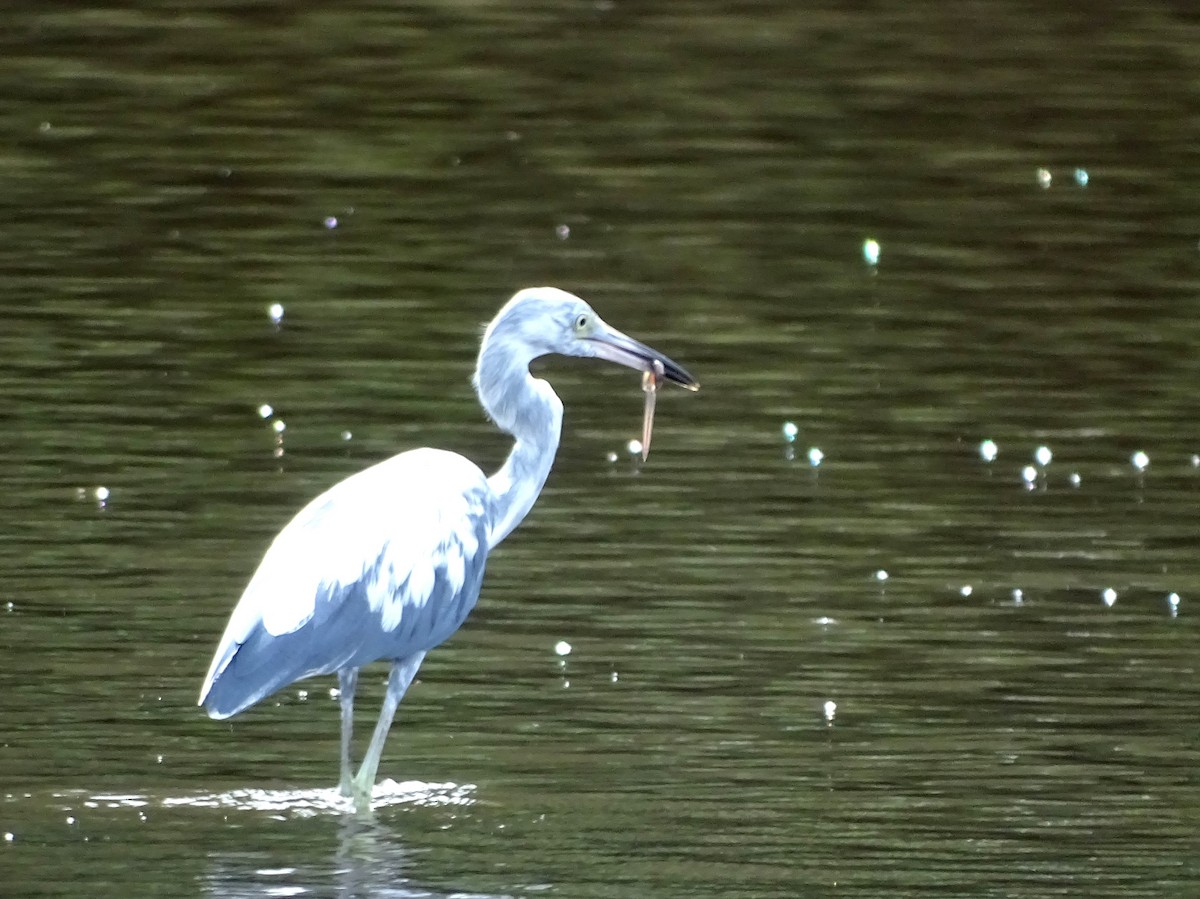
x: 614, y: 346
x: 611, y: 344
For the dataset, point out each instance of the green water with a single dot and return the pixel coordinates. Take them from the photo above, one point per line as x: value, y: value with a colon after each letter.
x: 706, y: 175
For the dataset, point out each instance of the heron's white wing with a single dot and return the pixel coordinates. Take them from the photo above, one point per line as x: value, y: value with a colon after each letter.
x: 391, y: 530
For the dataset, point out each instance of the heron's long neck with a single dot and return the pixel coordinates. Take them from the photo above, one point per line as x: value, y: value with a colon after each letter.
x: 530, y: 410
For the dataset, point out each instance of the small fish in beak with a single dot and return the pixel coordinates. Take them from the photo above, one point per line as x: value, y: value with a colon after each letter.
x: 650, y: 381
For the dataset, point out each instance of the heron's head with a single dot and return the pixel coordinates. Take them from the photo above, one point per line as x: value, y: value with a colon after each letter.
x: 545, y: 320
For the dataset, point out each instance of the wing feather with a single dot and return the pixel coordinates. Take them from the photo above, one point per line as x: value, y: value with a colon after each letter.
x: 385, y: 563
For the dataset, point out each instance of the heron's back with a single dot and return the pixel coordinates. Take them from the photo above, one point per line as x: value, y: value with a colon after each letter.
x: 385, y: 564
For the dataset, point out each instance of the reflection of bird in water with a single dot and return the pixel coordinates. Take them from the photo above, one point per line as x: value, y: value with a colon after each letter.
x: 369, y: 862
x: 387, y: 564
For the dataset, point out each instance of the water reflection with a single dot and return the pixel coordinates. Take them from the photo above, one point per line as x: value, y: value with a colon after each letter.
x: 368, y: 861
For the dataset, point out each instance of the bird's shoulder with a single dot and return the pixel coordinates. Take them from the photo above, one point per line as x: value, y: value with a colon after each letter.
x: 409, y: 499
x: 407, y: 516
x: 420, y: 479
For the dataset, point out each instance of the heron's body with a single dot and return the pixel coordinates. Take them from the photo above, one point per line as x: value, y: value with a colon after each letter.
x: 388, y: 563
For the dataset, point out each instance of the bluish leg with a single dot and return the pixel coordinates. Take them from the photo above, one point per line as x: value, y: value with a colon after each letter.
x: 401, y: 676
x: 347, y: 682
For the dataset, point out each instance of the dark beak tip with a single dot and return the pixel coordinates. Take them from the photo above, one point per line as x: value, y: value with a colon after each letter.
x: 677, y: 374
x: 683, y: 379
x: 686, y: 383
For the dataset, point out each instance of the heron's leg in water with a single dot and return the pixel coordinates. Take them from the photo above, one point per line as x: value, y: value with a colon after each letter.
x: 403, y: 672
x: 347, y: 682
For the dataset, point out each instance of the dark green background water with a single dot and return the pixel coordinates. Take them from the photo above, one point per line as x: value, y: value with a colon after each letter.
x: 166, y: 171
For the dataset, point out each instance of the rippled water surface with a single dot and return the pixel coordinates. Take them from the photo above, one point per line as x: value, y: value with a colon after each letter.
x: 904, y: 671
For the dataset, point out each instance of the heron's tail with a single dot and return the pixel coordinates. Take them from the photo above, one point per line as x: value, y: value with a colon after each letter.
x: 248, y: 672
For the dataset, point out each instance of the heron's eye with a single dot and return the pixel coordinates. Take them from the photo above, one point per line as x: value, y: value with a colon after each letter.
x: 581, y: 322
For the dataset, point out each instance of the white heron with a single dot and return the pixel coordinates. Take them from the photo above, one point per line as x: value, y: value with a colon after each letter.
x: 387, y: 564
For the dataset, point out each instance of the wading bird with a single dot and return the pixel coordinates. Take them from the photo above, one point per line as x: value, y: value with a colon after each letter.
x: 388, y: 563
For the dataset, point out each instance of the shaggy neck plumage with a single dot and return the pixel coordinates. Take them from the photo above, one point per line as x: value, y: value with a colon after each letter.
x: 529, y: 410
